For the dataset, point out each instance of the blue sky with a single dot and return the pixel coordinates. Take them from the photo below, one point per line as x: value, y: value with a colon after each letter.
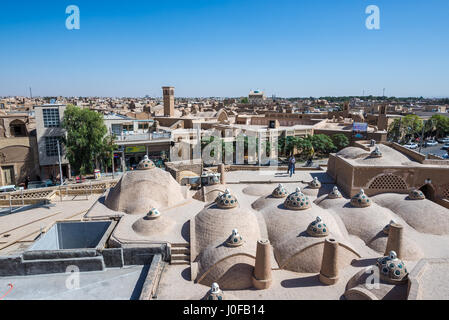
x: 289, y: 48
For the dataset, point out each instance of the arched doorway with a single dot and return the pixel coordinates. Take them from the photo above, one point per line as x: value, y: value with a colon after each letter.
x: 429, y: 191
x: 17, y: 129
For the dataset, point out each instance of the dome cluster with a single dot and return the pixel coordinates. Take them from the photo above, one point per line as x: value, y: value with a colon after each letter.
x: 360, y: 200
x: 335, y: 193
x: 318, y: 228
x: 376, y: 153
x: 416, y: 195
x: 226, y: 200
x: 392, y: 269
x: 235, y: 239
x: 146, y: 164
x: 297, y: 201
x: 153, y: 214
x: 279, y: 192
x: 215, y: 293
x: 315, y: 183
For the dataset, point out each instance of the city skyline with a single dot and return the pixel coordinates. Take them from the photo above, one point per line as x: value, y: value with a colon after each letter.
x: 224, y: 49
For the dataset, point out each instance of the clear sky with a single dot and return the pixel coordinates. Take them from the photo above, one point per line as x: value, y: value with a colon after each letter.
x: 223, y: 48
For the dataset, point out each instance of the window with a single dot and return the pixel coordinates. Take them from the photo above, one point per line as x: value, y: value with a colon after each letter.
x: 51, y: 146
x: 51, y: 118
x: 143, y: 126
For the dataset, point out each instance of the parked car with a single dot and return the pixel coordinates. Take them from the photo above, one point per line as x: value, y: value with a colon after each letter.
x: 431, y: 143
x: 446, y: 156
x: 446, y: 146
x: 10, y: 188
x: 36, y: 184
x: 411, y: 145
x: 443, y: 140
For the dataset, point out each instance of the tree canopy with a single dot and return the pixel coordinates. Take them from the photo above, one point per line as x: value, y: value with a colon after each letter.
x: 86, y: 143
x: 404, y: 129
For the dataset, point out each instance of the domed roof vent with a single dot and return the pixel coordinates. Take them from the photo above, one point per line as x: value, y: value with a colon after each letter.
x: 153, y: 214
x: 279, y: 192
x: 361, y: 200
x: 315, y: 183
x: 226, y: 200
x: 146, y: 164
x: 386, y: 229
x: 297, y: 201
x: 215, y: 293
x: 416, y: 195
x: 392, y: 269
x: 318, y: 228
x: 376, y: 153
x: 335, y: 193
x: 235, y: 239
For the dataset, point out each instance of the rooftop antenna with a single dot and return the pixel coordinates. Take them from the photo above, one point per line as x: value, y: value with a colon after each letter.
x: 31, y: 94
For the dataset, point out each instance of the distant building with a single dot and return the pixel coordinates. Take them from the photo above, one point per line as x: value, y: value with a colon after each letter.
x: 256, y: 97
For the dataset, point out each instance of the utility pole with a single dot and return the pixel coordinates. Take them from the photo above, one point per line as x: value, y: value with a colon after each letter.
x: 60, y: 165
x: 422, y: 136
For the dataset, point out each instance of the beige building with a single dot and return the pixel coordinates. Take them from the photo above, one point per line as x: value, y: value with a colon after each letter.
x: 18, y: 149
x: 397, y: 170
x: 48, y: 134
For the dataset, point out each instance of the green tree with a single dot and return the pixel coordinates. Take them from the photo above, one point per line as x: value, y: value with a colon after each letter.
x: 244, y: 100
x: 340, y: 141
x: 322, y: 144
x: 405, y: 129
x: 86, y: 142
x: 437, y: 126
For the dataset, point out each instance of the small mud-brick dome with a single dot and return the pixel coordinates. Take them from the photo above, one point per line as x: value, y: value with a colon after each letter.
x: 318, y: 228
x: 361, y: 200
x: 279, y: 192
x: 392, y: 269
x: 146, y: 164
x: 297, y: 201
x: 226, y: 200
x: 335, y: 193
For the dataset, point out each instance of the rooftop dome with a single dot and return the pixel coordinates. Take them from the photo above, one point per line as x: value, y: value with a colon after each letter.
x: 335, y: 193
x: 376, y: 153
x: 235, y: 239
x: 153, y: 223
x: 146, y: 164
x: 215, y: 293
x: 386, y: 229
x: 361, y: 200
x: 297, y: 201
x: 392, y: 269
x: 139, y: 191
x: 416, y: 195
x: 279, y: 192
x: 226, y: 200
x: 315, y: 183
x: 318, y: 228
x: 153, y: 214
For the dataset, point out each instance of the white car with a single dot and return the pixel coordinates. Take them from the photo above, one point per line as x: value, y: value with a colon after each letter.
x: 411, y: 145
x: 446, y: 146
x: 444, y: 140
x: 431, y: 143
